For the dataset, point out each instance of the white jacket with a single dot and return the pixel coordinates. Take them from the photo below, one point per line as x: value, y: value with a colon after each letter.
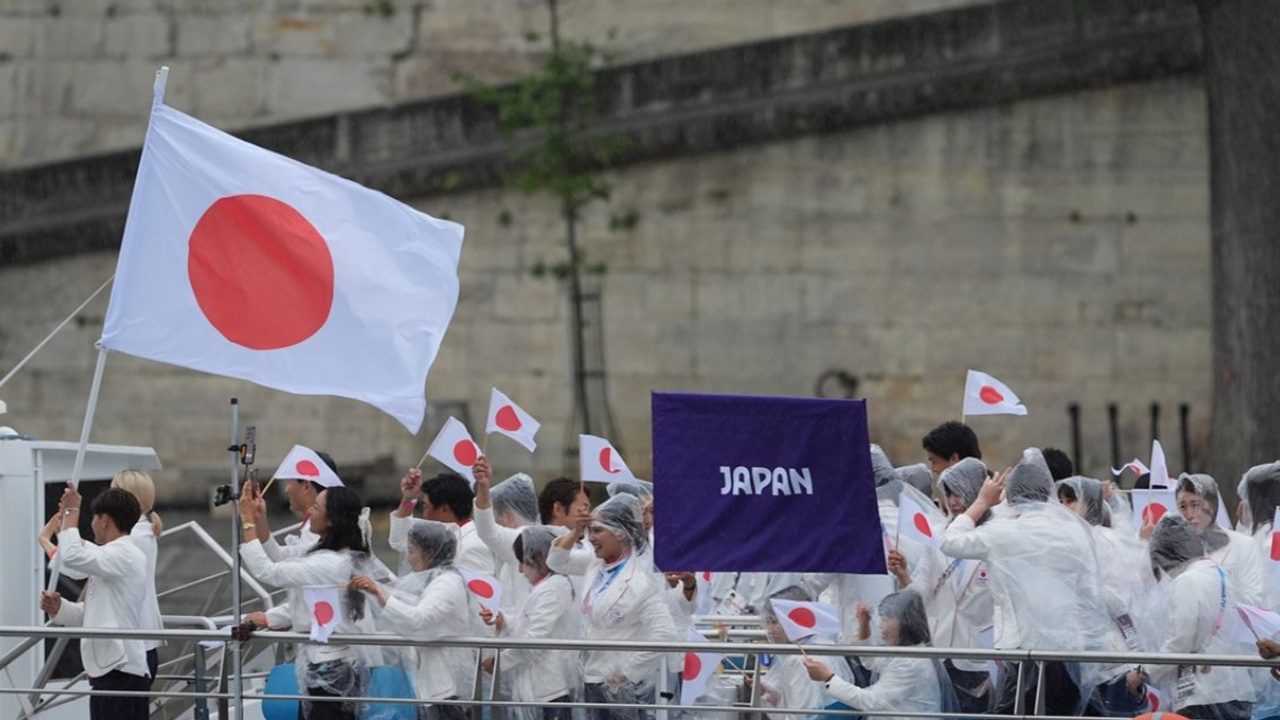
x: 1246, y: 569
x: 294, y: 545
x: 438, y: 612
x: 113, y: 597
x: 322, y: 567
x: 787, y: 684
x: 144, y: 536
x: 632, y: 607
x: 500, y: 542
x: 957, y: 600
x: 904, y: 685
x: 549, y: 611
x: 1199, y: 603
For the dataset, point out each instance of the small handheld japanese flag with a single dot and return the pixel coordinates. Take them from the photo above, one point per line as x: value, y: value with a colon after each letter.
x: 1159, y: 468
x: 1135, y: 465
x: 302, y: 463
x: 484, y: 588
x: 455, y: 448
x: 913, y: 523
x: 985, y: 395
x: 1255, y: 623
x: 510, y: 419
x: 800, y: 620
x: 324, y: 606
x: 697, y: 671
x: 1151, y: 505
x: 600, y: 462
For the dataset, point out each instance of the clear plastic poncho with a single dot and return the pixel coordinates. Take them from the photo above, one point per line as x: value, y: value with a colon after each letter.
x: 639, y: 488
x: 1262, y: 495
x: 964, y: 479
x: 516, y: 496
x: 550, y: 611
x: 917, y: 476
x: 787, y: 685
x: 624, y: 515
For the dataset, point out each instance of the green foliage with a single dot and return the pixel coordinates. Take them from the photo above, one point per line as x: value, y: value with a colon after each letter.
x: 382, y: 8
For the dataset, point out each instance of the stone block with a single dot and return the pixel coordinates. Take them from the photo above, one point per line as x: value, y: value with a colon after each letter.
x: 359, y: 34
x: 303, y: 88
x: 70, y: 37
x: 230, y: 89
x: 523, y: 297
x: 293, y: 35
x: 10, y: 88
x: 17, y: 37
x: 146, y: 36
x: 218, y: 35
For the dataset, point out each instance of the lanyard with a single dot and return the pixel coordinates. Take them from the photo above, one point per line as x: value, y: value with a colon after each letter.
x: 603, y: 580
x: 955, y: 565
x: 1222, y: 603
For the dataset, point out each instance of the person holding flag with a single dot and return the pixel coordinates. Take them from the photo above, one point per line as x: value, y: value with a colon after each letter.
x: 787, y: 685
x: 903, y: 684
x: 499, y: 512
x: 306, y: 473
x: 1261, y: 498
x: 429, y: 603
x: 956, y: 592
x: 324, y: 669
x: 623, y: 601
x: 446, y: 498
x: 547, y: 677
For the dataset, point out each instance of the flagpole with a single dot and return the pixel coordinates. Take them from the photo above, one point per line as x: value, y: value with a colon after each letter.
x: 423, y: 460
x: 56, y: 330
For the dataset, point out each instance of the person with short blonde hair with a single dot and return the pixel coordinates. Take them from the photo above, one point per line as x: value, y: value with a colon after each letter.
x: 144, y: 534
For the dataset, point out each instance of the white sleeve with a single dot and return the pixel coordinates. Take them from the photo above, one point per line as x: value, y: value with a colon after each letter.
x: 70, y: 614
x: 962, y: 539
x: 1251, y: 573
x: 398, y: 535
x: 897, y: 682
x: 273, y: 549
x: 318, y: 568
x: 569, y: 562
x: 541, y: 624
x: 113, y: 560
x: 926, y: 573
x: 436, y: 613
x: 1181, y: 627
x: 497, y: 538
x: 280, y: 617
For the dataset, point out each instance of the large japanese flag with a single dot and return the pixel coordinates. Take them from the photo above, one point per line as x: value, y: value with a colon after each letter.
x: 985, y: 395
x: 241, y: 262
x: 599, y: 461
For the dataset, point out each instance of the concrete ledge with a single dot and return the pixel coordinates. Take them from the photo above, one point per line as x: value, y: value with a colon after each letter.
x: 696, y: 103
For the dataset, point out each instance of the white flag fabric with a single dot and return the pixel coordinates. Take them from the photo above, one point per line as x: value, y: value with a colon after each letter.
x: 697, y: 670
x: 1257, y: 621
x: 1135, y: 465
x: 600, y: 462
x: 486, y: 589
x: 800, y: 620
x: 1273, y: 559
x: 985, y: 395
x: 913, y: 523
x: 1151, y: 505
x: 241, y: 262
x: 325, y: 607
x: 302, y: 463
x: 510, y: 419
x: 455, y: 448
x: 1159, y: 468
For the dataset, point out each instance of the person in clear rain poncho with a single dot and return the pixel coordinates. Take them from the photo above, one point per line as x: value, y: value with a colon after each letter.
x: 787, y: 684
x: 1200, y: 618
x: 500, y: 512
x: 623, y: 601
x: 324, y: 669
x: 430, y: 602
x: 1128, y: 593
x: 917, y: 476
x: 1044, y: 583
x: 956, y: 592
x: 1198, y: 501
x: 1261, y: 498
x: 900, y: 684
x: 549, y: 611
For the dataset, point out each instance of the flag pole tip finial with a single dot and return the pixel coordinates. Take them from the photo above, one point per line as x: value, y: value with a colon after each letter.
x: 162, y: 79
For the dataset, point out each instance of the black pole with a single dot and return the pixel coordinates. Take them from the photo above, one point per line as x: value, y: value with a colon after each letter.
x: 1184, y: 410
x: 1074, y: 409
x: 1113, y: 418
x: 1155, y: 421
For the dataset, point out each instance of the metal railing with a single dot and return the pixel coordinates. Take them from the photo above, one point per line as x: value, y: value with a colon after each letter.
x: 32, y: 636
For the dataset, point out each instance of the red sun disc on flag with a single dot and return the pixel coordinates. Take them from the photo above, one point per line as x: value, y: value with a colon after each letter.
x: 692, y: 666
x: 803, y: 617
x: 1152, y: 513
x: 480, y: 588
x: 990, y: 395
x: 922, y: 524
x: 307, y: 468
x: 706, y: 576
x: 1154, y: 701
x: 260, y: 272
x: 606, y: 461
x: 1275, y: 546
x: 507, y: 419
x: 465, y: 453
x: 324, y: 613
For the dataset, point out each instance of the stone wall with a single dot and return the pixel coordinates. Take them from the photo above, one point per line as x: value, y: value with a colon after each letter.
x: 75, y: 75
x: 1059, y: 243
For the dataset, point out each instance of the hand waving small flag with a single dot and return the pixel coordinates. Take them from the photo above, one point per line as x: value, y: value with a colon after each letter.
x: 913, y: 523
x: 510, y: 419
x: 455, y: 448
x: 800, y: 620
x: 985, y: 395
x: 484, y: 588
x: 325, y: 607
x: 302, y: 463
